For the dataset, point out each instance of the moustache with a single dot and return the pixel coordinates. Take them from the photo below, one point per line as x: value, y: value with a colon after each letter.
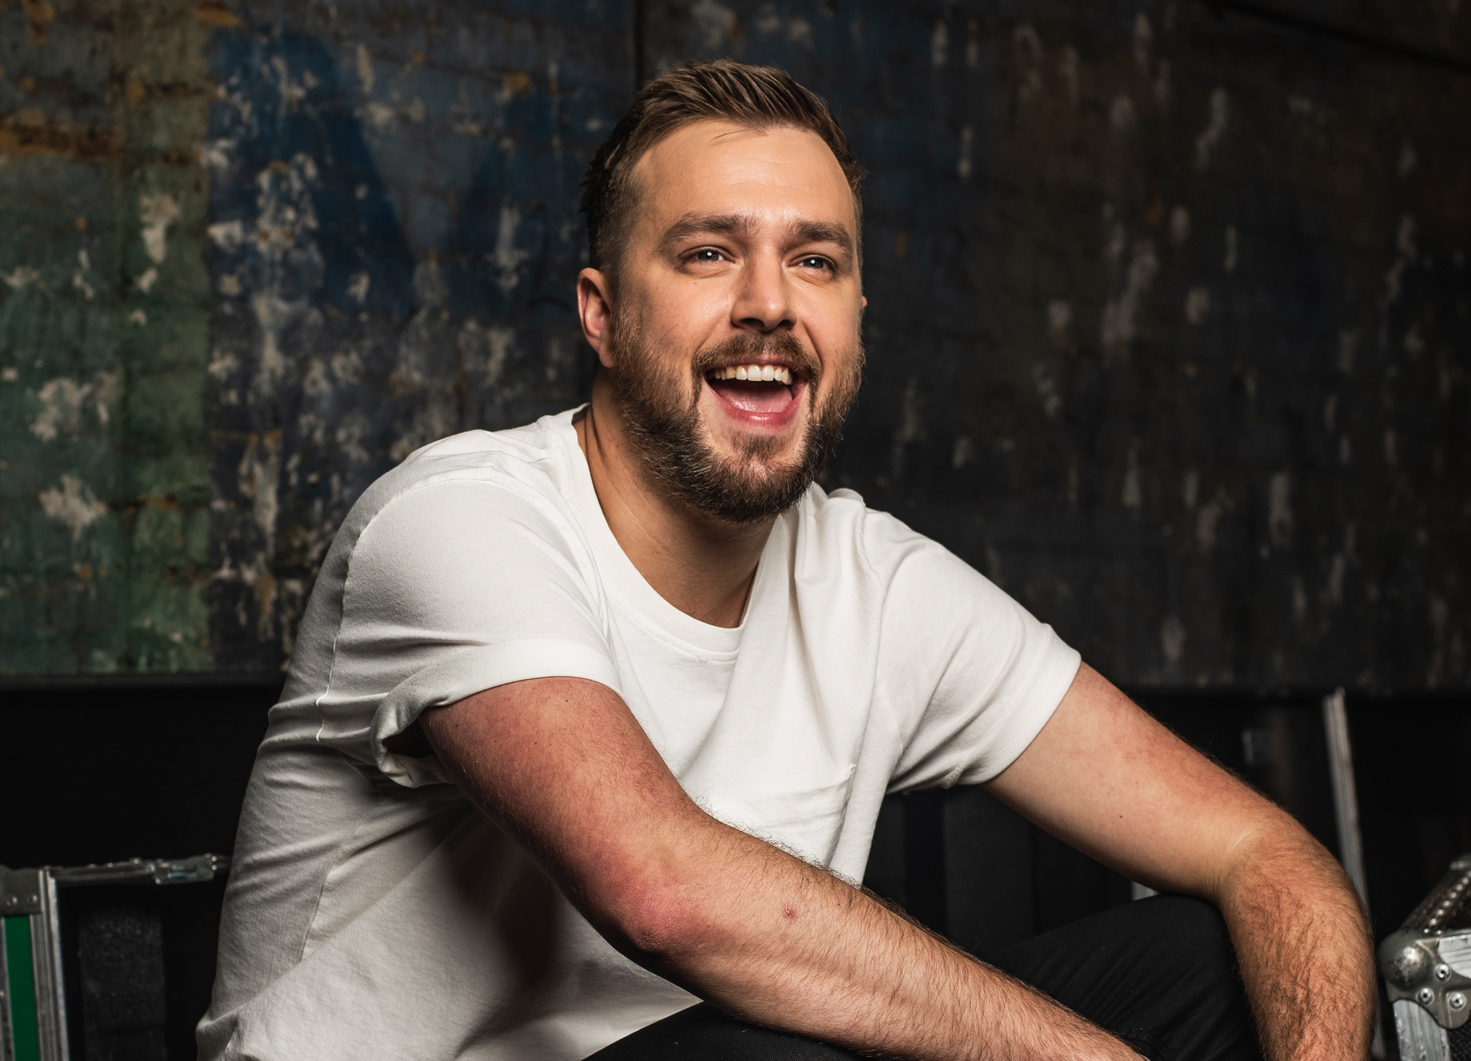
x: 747, y: 347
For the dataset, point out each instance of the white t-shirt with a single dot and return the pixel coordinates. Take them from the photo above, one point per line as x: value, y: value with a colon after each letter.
x: 373, y: 913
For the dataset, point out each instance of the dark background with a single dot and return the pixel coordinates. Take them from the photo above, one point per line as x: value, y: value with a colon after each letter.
x: 1168, y: 335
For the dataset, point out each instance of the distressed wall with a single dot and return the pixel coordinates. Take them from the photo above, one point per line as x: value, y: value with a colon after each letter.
x: 1168, y: 322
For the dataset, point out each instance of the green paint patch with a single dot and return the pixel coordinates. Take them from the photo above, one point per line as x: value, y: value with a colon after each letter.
x: 104, y: 342
x: 24, y: 1024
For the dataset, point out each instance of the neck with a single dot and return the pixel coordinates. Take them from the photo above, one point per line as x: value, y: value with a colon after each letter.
x: 701, y: 565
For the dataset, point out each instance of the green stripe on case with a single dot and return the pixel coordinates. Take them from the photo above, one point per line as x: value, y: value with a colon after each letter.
x: 23, y: 1028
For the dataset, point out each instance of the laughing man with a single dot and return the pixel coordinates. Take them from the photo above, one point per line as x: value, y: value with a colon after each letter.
x: 590, y: 720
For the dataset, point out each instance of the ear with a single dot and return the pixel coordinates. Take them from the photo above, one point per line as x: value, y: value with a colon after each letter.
x: 595, y: 309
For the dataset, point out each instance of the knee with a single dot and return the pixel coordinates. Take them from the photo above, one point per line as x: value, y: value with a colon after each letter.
x: 1186, y: 932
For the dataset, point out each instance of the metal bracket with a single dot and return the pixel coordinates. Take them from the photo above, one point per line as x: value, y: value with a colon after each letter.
x: 21, y: 891
x: 1434, y: 972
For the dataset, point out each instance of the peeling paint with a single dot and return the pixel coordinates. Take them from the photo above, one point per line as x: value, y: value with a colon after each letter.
x: 1405, y: 244
x: 1059, y: 317
x: 1133, y: 493
x: 63, y: 402
x: 72, y: 504
x: 1208, y: 520
x: 1214, y: 130
x: 508, y: 257
x: 1407, y: 159
x: 1121, y: 113
x: 1197, y: 304
x: 1047, y: 391
x: 715, y: 23
x: 1121, y: 315
x: 1279, y: 509
x: 1172, y: 637
x: 157, y: 213
x: 940, y: 44
x: 1179, y: 225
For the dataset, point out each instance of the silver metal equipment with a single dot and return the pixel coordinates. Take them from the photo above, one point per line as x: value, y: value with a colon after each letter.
x: 1426, y: 966
x: 33, y: 1013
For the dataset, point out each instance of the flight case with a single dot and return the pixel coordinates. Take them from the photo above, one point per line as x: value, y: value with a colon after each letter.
x: 39, y: 953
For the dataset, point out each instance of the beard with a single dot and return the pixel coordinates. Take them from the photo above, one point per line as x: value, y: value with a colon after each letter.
x: 669, y: 433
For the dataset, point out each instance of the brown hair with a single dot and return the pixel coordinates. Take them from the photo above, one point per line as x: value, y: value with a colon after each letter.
x: 758, y: 97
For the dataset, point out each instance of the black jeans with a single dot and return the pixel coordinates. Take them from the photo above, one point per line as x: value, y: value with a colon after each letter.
x: 1159, y: 973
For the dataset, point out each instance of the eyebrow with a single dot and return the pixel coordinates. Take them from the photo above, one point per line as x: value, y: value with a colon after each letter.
x: 803, y: 231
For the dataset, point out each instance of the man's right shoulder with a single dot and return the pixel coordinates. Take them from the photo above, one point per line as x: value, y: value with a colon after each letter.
x: 523, y: 467
x: 526, y: 459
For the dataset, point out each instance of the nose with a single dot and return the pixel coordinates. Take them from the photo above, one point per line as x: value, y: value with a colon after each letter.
x: 762, y: 301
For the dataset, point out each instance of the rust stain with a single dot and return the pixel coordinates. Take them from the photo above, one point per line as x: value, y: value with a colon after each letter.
x: 39, y: 14
x: 215, y: 13
x: 398, y: 386
x: 265, y: 599
x: 518, y: 82
x: 1155, y: 209
x: 134, y: 90
x: 30, y: 133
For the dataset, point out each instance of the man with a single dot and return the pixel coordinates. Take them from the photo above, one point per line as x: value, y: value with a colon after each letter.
x: 591, y: 720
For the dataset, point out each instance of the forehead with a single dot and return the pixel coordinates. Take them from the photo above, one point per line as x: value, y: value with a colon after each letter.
x: 783, y: 174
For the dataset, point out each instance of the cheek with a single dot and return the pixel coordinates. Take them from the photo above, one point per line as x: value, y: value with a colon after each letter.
x: 684, y: 330
x: 838, y: 340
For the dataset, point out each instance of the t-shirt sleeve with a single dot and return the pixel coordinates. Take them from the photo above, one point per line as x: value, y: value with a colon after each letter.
x: 455, y: 587
x: 972, y: 676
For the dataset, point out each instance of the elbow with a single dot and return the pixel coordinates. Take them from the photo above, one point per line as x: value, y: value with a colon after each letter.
x: 667, y: 923
x: 657, y: 918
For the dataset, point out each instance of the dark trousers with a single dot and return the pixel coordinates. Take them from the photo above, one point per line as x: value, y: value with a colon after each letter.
x: 1159, y: 973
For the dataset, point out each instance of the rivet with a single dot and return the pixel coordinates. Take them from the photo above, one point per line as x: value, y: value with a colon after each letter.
x: 1442, y: 972
x: 1426, y: 996
x: 1455, y: 1000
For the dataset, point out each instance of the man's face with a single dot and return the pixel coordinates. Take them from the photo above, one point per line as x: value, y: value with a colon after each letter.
x: 734, y: 346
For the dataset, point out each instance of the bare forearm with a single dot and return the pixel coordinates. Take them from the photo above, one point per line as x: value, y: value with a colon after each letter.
x: 783, y: 944
x: 1305, y: 951
x: 564, y: 767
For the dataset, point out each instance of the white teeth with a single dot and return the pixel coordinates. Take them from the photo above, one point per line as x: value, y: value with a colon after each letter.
x: 778, y: 373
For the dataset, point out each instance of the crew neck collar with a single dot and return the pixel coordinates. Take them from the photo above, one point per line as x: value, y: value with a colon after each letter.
x: 628, y: 583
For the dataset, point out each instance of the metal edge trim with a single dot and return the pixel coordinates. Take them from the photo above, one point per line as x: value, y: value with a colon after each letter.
x: 7, y: 1040
x: 46, y: 964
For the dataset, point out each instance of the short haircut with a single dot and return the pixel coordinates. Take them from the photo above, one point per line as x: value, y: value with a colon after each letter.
x: 757, y: 97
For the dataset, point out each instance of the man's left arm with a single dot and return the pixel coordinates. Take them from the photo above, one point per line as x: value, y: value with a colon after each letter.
x: 1107, y: 778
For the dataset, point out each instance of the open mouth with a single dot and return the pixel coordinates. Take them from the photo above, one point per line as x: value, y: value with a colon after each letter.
x: 760, y: 391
